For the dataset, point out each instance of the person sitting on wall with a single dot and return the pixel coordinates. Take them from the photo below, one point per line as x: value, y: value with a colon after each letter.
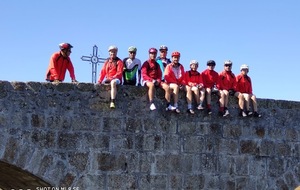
x: 132, y: 68
x: 112, y: 73
x: 151, y: 76
x: 244, y: 88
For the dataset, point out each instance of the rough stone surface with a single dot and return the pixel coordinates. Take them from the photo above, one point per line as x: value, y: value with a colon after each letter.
x: 65, y: 135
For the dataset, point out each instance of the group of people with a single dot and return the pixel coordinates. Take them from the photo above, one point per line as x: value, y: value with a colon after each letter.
x: 168, y: 74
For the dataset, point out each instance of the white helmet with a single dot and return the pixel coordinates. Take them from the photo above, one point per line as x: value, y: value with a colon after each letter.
x: 244, y: 66
x: 194, y: 62
x: 112, y: 47
x: 227, y: 62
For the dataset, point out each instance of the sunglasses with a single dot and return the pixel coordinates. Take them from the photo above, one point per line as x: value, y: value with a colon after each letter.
x: 227, y: 65
x: 132, y: 52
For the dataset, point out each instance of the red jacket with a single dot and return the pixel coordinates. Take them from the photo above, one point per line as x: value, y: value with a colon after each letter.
x: 210, y: 78
x: 243, y: 84
x: 58, y: 66
x: 151, y: 71
x: 227, y: 81
x: 193, y: 78
x: 171, y: 76
x: 112, y: 69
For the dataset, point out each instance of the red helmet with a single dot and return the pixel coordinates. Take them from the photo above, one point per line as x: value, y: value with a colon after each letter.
x: 176, y: 53
x: 152, y: 50
x: 63, y: 46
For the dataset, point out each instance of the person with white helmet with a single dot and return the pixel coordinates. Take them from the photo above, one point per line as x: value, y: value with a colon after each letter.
x: 194, y: 85
x: 112, y: 73
x: 59, y: 63
x: 162, y: 59
x: 210, y: 79
x: 132, y: 68
x: 244, y: 93
x: 151, y: 76
x: 226, y: 86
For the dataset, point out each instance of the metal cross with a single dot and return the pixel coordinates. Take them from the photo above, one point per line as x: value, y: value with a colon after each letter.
x: 94, y: 59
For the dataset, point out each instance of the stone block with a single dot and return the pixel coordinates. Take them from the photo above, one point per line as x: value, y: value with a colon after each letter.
x: 248, y: 147
x: 91, y: 181
x: 194, y: 182
x: 242, y: 165
x: 112, y: 162
x: 67, y: 180
x: 133, y: 125
x: 283, y: 149
x: 37, y: 120
x: 193, y: 144
x: 267, y: 148
x: 175, y: 181
x: 227, y: 164
x: 112, y: 125
x: 209, y: 163
x: 232, y: 131
x: 153, y: 181
x: 163, y: 163
x: 227, y: 182
x: 44, y: 139
x: 68, y: 141
x: 275, y: 167
x: 292, y: 135
x: 121, y: 142
x: 172, y: 143
x: 228, y: 146
x: 46, y: 163
x: 78, y: 160
x: 95, y: 140
x: 258, y: 166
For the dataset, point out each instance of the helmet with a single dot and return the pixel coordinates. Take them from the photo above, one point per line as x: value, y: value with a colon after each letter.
x: 227, y: 62
x: 244, y: 66
x: 193, y: 62
x: 211, y: 62
x: 132, y: 48
x: 176, y: 53
x: 112, y: 47
x: 152, y: 50
x: 163, y: 47
x: 63, y: 46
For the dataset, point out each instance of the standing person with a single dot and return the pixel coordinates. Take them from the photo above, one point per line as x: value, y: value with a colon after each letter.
x: 151, y: 76
x: 162, y: 60
x: 226, y: 85
x: 59, y: 63
x: 194, y: 84
x: 244, y: 92
x: 174, y: 79
x: 132, y: 68
x: 112, y: 73
x: 210, y: 79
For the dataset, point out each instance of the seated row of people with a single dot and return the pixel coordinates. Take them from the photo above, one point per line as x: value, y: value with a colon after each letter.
x: 169, y: 75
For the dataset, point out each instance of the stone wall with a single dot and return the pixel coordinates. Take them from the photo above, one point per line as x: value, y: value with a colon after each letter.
x: 65, y: 135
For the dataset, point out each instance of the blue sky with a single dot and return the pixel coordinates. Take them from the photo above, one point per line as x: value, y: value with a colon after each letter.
x: 262, y: 34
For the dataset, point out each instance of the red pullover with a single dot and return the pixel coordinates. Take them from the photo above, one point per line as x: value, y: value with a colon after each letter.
x: 193, y: 78
x: 243, y: 84
x: 227, y: 81
x: 112, y: 69
x: 210, y: 78
x: 174, y: 74
x: 58, y: 66
x: 151, y: 71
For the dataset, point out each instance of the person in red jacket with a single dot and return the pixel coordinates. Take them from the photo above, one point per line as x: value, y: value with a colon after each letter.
x: 194, y: 84
x: 244, y: 92
x: 210, y: 79
x: 226, y: 86
x: 174, y: 79
x: 112, y: 71
x: 59, y: 63
x: 151, y: 76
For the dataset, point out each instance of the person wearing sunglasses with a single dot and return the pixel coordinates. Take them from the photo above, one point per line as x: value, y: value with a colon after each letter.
x: 226, y: 86
x: 132, y: 68
x: 59, y: 63
x: 244, y: 88
x: 162, y: 59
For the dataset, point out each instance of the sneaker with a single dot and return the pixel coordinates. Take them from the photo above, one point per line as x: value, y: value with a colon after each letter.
x: 221, y: 113
x: 152, y: 107
x: 256, y: 114
x: 243, y: 114
x: 177, y: 110
x: 226, y: 113
x: 112, y: 105
x: 200, y: 107
x: 249, y: 113
x: 209, y: 112
x: 170, y: 108
x: 190, y: 111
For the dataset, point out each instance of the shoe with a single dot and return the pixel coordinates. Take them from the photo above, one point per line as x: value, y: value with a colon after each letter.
x: 221, y: 113
x: 226, y: 113
x: 170, y: 108
x: 200, y: 107
x: 112, y: 105
x: 209, y: 112
x: 249, y: 113
x: 152, y: 107
x: 177, y: 110
x: 190, y: 111
x: 256, y: 114
x: 243, y: 114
